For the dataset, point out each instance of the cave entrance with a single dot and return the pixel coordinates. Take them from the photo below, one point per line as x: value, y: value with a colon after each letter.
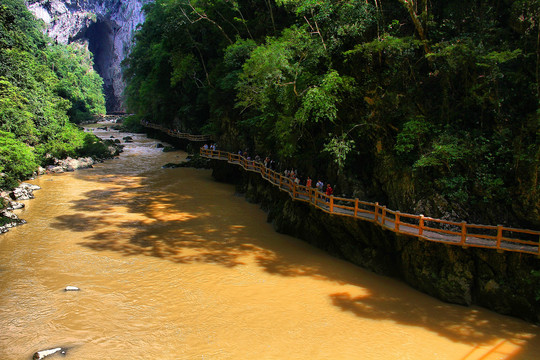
x: 100, y: 37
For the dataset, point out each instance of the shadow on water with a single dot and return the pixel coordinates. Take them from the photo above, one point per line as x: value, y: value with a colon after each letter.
x: 165, y: 221
x: 460, y: 324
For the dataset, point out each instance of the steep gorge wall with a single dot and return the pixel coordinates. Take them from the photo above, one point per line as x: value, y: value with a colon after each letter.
x: 507, y: 283
x: 106, y: 27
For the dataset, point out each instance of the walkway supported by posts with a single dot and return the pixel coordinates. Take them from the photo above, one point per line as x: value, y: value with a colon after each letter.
x: 463, y: 234
x: 497, y: 237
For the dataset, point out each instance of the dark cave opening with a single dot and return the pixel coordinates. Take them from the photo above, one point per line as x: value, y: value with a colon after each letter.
x: 100, y: 37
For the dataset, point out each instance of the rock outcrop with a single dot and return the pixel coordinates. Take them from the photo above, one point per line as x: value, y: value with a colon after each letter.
x: 70, y: 164
x: 106, y: 27
x: 8, y: 219
x: 24, y: 191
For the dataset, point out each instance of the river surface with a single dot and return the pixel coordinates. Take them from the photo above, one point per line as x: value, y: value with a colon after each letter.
x: 173, y: 265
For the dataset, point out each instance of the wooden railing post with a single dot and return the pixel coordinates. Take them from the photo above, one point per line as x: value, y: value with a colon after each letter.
x: 331, y: 203
x: 294, y: 191
x: 463, y: 232
x: 396, y: 221
x: 499, y: 236
x: 383, y: 216
x: 280, y: 180
x: 356, y: 207
x: 421, y: 225
x: 376, y: 212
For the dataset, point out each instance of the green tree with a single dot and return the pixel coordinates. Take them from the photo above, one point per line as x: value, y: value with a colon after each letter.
x: 42, y: 88
x: 17, y: 160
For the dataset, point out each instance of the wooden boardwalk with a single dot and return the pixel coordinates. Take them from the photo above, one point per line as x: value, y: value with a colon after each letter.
x: 498, y: 237
x: 175, y: 133
x: 466, y: 235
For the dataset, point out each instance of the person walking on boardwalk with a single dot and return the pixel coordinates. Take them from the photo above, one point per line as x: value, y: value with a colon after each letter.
x: 329, y: 192
x: 308, y: 182
x: 319, y: 186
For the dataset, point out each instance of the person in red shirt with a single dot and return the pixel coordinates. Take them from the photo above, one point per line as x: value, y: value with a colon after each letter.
x: 329, y: 190
x: 308, y: 182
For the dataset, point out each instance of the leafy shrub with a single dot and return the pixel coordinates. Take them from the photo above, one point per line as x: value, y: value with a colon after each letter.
x: 132, y: 124
x: 17, y: 159
x: 94, y: 147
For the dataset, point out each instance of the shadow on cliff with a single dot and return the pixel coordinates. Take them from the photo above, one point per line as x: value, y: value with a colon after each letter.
x: 181, y: 218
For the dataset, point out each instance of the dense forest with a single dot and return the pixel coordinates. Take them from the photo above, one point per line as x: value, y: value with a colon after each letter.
x: 45, y: 90
x: 426, y: 106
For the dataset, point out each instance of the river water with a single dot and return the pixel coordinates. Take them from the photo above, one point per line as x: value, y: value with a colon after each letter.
x: 173, y: 265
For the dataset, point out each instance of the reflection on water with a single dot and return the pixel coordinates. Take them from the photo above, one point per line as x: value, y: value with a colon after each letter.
x: 173, y: 265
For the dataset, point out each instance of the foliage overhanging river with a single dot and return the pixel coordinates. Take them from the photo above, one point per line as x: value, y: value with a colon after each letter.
x: 173, y: 265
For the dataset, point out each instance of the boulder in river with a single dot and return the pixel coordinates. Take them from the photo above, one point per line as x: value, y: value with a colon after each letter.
x: 44, y: 353
x: 13, y: 205
x: 24, y: 191
x: 8, y: 220
x: 70, y: 164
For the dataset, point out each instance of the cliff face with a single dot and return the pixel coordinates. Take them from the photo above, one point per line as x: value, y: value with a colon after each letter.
x: 105, y: 26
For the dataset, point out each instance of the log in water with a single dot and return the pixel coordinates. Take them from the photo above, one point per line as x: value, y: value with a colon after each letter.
x: 173, y: 265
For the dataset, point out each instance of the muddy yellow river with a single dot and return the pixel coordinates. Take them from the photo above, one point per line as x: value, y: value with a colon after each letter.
x: 173, y: 265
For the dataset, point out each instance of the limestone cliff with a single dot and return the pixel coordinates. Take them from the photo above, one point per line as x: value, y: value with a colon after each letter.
x: 105, y: 26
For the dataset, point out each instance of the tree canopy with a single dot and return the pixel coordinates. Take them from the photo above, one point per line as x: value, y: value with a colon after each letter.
x: 396, y: 100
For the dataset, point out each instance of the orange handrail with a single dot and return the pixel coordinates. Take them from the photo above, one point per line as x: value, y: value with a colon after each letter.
x: 437, y: 230
x: 426, y: 228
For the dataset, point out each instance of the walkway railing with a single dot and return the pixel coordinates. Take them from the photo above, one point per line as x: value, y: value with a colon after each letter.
x: 463, y: 234
x: 466, y: 235
x: 175, y: 133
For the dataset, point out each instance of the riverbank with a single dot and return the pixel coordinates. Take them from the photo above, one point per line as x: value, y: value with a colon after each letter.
x: 9, y: 199
x: 507, y: 283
